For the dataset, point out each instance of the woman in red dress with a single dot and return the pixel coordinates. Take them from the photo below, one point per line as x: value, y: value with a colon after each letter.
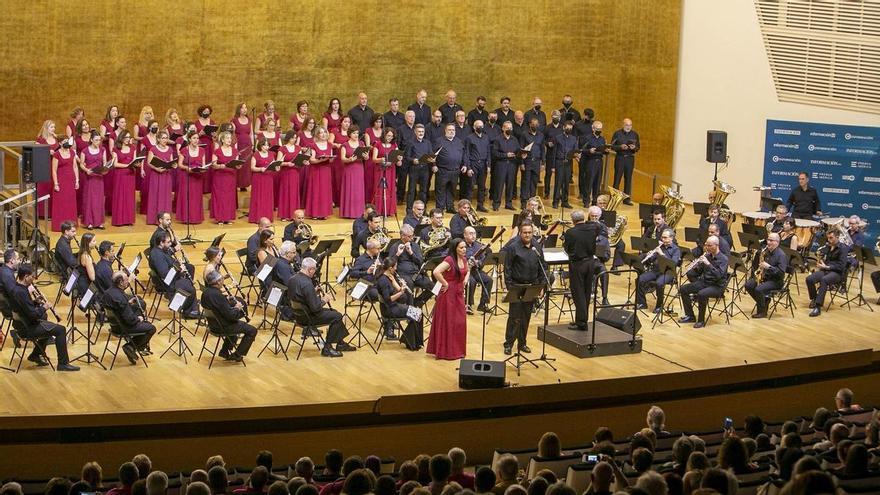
x: 91, y: 158
x: 299, y: 118
x: 140, y: 131
x: 122, y: 202
x: 76, y: 115
x: 108, y: 134
x: 337, y: 138
x: 262, y: 180
x: 352, y: 199
x: 267, y: 113
x: 83, y: 135
x: 189, y: 192
x: 149, y: 141
x: 372, y: 137
x: 206, y: 139
x: 65, y: 182
x: 318, y: 197
x: 269, y: 133
x: 333, y: 116
x: 47, y: 136
x: 159, y: 181
x: 289, y: 183
x: 244, y: 143
x: 449, y: 327
x: 306, y: 135
x: 173, y: 124
x: 385, y: 199
x: 224, y: 200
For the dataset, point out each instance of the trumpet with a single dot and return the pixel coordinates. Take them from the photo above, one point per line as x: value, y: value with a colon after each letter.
x: 40, y: 299
x: 694, y: 263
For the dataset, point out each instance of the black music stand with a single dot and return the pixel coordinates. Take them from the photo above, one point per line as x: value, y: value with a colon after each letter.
x: 485, y: 231
x: 363, y: 287
x: 496, y: 260
x: 864, y: 256
x: 327, y: 248
x: 178, y: 345
x: 646, y: 211
x: 634, y: 261
x: 693, y: 234
x: 750, y: 242
x: 263, y: 274
x: 276, y: 293
x: 522, y: 294
x: 666, y: 265
x: 643, y: 244
x: 701, y: 210
x: 770, y: 204
x: 736, y: 264
x: 87, y: 305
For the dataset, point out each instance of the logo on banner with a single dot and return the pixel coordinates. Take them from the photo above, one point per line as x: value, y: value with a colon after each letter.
x: 787, y: 146
x: 830, y: 163
x: 866, y: 206
x: 789, y: 132
x: 848, y: 136
x: 868, y: 178
x: 858, y: 164
x: 869, y: 193
x: 831, y: 135
x: 777, y: 159
x: 822, y: 176
x: 813, y: 147
x: 835, y: 190
x: 850, y: 178
x: 861, y: 151
x: 841, y: 205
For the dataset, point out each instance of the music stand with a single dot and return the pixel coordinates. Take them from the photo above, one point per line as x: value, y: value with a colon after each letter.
x: 496, y: 261
x: 551, y: 240
x: 750, y: 242
x: 359, y: 293
x: 864, y: 256
x: 736, y: 264
x: 327, y: 248
x: 701, y: 210
x: 608, y: 217
x: 485, y: 231
x: 276, y: 293
x: 87, y: 305
x: 263, y: 274
x: 217, y: 240
x: 643, y: 244
x: 633, y: 261
x: 693, y: 234
x: 178, y: 345
x: 646, y: 211
x: 522, y: 294
x: 188, y: 239
x: 666, y: 265
x: 770, y: 204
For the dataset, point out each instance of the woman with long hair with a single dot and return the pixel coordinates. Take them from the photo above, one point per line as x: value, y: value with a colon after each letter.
x: 159, y: 179
x: 65, y: 183
x: 333, y: 116
x: 289, y: 199
x: 76, y: 115
x: 396, y: 299
x: 224, y: 200
x: 140, y: 130
x: 122, y: 201
x: 191, y: 164
x: 449, y: 326
x: 318, y: 196
x: 47, y: 136
x: 372, y: 137
x: 352, y: 199
x: 86, y: 268
x: 385, y: 198
x: 91, y: 160
x: 243, y: 143
x: 262, y: 180
x: 338, y: 137
x: 298, y: 118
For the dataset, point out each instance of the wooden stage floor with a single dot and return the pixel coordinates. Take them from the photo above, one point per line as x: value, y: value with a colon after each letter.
x: 170, y: 385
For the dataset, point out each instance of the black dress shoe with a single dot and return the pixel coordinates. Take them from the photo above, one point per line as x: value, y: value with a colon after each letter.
x: 39, y: 360
x: 657, y: 311
x: 575, y: 326
x: 236, y: 357
x: 67, y: 367
x: 812, y: 303
x: 494, y: 208
x: 524, y: 348
x: 605, y: 301
x: 641, y: 306
x: 567, y: 205
x: 391, y: 335
x: 699, y: 324
x: 686, y: 319
x: 345, y: 347
x: 816, y: 311
x: 482, y: 308
x: 555, y: 205
x: 130, y: 353
x: 330, y: 352
x: 759, y: 315
x: 509, y: 207
x: 482, y: 209
x: 508, y: 350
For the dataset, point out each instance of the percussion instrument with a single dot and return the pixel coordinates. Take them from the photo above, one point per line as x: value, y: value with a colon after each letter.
x: 757, y: 218
x: 805, y: 230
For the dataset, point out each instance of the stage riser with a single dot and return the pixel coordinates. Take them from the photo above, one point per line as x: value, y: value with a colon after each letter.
x: 609, y: 340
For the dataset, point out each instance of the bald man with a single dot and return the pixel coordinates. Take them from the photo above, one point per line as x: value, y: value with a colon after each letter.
x: 361, y: 114
x: 536, y: 113
x: 625, y: 143
x: 450, y: 108
x: 710, y: 272
x: 590, y: 167
x: 420, y: 108
x: 773, y: 264
x: 253, y: 244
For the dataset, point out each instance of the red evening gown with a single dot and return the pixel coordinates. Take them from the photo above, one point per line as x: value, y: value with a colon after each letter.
x: 80, y: 144
x: 224, y: 198
x: 245, y: 146
x: 44, y: 188
x: 352, y: 199
x: 189, y: 192
x: 122, y: 202
x: 289, y: 184
x: 108, y: 179
x: 370, y: 168
x: 305, y: 142
x: 142, y: 183
x: 449, y: 326
x: 318, y: 197
x: 336, y: 167
x: 207, y: 143
x: 295, y: 123
x: 159, y: 186
x: 333, y: 124
x: 261, y: 120
x: 262, y: 194
x: 386, y: 205
x: 64, y: 200
x: 93, y: 189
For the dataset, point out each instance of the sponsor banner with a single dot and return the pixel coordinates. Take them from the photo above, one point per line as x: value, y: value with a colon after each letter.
x: 843, y: 163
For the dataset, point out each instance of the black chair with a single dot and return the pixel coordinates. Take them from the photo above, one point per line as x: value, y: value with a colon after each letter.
x: 712, y: 307
x: 302, y: 318
x: 115, y: 327
x: 782, y: 296
x: 840, y: 290
x: 252, y: 284
x: 6, y: 323
x: 385, y: 322
x: 20, y: 352
x: 213, y: 321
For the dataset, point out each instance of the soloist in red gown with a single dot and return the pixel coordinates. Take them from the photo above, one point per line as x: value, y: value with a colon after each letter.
x: 93, y: 188
x: 122, y: 202
x: 289, y: 183
x: 189, y: 191
x: 352, y: 198
x: 386, y: 203
x: 319, y: 198
x: 449, y: 326
x: 224, y: 199
x: 159, y: 185
x: 245, y: 146
x: 64, y: 200
x: 262, y: 194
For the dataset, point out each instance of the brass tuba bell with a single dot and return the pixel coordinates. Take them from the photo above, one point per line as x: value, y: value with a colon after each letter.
x: 615, y: 198
x: 673, y: 201
x: 722, y: 191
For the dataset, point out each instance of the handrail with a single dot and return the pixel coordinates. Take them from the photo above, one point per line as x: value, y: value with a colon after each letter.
x: 17, y: 196
x: 677, y: 185
x: 11, y: 151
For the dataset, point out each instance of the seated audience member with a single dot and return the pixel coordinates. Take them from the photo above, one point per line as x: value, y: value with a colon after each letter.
x: 459, y: 460
x: 409, y: 487
x: 605, y: 476
x: 856, y: 462
x: 484, y: 480
x: 278, y: 488
x: 264, y: 458
x: 538, y: 486
x: 820, y: 417
x: 516, y: 489
x: 57, y: 486
x: 350, y: 465
x: 440, y: 468
x: 548, y: 475
x: 199, y: 475
x: 157, y: 483
x: 80, y: 487
x: 408, y: 471
x: 257, y: 481
x: 139, y: 487
x: 423, y: 461
x: 733, y: 456
x: 549, y: 446
x: 837, y: 433
x: 753, y: 426
x: 128, y: 474
x: 359, y: 482
x: 218, y: 480
x: 11, y: 488
x: 560, y: 488
x: 374, y: 464
x: 214, y: 460
x: 651, y: 436
x: 385, y: 485
x: 198, y: 487
x: 307, y: 490
x: 720, y: 481
x: 652, y: 483
x: 603, y: 434
x: 144, y: 465
x: 813, y: 481
x: 333, y: 464
x: 91, y: 473
x: 656, y: 421
x: 681, y: 452
x: 305, y: 468
x: 697, y: 465
x: 293, y: 484
x: 505, y: 471
x: 641, y: 460
x: 843, y: 401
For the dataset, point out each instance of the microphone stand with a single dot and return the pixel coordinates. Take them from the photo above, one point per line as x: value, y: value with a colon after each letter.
x: 188, y: 239
x: 544, y: 357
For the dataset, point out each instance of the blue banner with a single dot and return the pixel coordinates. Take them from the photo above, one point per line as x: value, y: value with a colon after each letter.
x: 842, y: 163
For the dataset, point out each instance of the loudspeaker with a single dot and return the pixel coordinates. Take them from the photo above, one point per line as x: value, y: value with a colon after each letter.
x: 480, y: 374
x: 716, y: 146
x: 620, y: 319
x: 35, y: 163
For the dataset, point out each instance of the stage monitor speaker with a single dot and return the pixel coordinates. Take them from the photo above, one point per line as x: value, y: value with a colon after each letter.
x: 620, y: 319
x: 35, y: 163
x: 480, y: 374
x: 716, y: 146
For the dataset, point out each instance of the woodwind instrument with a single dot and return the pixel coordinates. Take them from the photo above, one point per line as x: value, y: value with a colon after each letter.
x: 695, y: 263
x: 472, y: 261
x: 40, y: 299
x: 233, y: 301
x: 651, y: 254
x: 402, y: 283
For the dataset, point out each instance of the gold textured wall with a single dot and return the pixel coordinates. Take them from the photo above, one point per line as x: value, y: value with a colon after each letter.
x: 619, y: 58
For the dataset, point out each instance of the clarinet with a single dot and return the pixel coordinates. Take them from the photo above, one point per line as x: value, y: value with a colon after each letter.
x: 232, y: 300
x: 40, y: 299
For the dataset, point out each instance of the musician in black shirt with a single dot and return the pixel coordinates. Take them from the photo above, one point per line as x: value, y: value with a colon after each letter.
x: 360, y: 224
x: 715, y: 218
x: 253, y: 245
x: 104, y: 267
x: 129, y: 311
x: 580, y: 246
x: 397, y: 297
x: 524, y: 265
x: 710, y: 272
x: 227, y: 318
x: 164, y: 226
x: 449, y: 109
x: 365, y: 267
x: 505, y: 114
x: 420, y: 158
x: 655, y: 230
x: 460, y: 220
x: 803, y: 202
x: 291, y: 230
x: 478, y: 148
x: 64, y: 257
x: 161, y: 262
x: 407, y: 133
x: 552, y: 130
x: 773, y: 263
x: 361, y: 114
x: 372, y: 227
x: 409, y: 259
x: 478, y: 276
x: 830, y: 269
x: 416, y: 215
x: 449, y: 165
x: 301, y: 289
x: 669, y: 250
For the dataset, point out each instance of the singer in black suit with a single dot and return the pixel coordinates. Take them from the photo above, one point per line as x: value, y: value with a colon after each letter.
x: 524, y: 265
x: 710, y: 280
x: 626, y: 144
x: 580, y: 246
x: 773, y: 263
x: 228, y: 313
x: 504, y: 150
x: 565, y: 144
x: 130, y: 312
x: 419, y: 168
x: 449, y: 165
x: 590, y: 172
x: 830, y: 269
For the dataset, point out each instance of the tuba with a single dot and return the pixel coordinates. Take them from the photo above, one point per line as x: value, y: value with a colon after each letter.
x: 673, y: 201
x: 843, y: 233
x: 722, y: 191
x: 437, y: 238
x: 381, y: 238
x: 615, y: 197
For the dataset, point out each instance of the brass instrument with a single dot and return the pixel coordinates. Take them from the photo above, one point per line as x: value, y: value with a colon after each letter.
x: 475, y: 221
x: 695, y: 263
x: 381, y: 238
x: 304, y: 231
x: 40, y: 299
x: 615, y: 198
x: 437, y: 238
x: 546, y: 219
x: 843, y: 232
x: 722, y: 191
x: 673, y: 201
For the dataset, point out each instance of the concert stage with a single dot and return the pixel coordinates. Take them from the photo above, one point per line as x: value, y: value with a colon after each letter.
x: 409, y: 400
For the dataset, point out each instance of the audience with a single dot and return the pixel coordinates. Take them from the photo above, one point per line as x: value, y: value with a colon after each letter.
x: 459, y: 461
x: 144, y: 465
x: 484, y: 480
x: 657, y: 421
x: 843, y: 401
x: 505, y: 472
x: 157, y: 483
x: 198, y: 488
x: 440, y: 468
x: 128, y: 474
x: 305, y: 469
x: 218, y: 480
x: 91, y: 474
x: 549, y: 446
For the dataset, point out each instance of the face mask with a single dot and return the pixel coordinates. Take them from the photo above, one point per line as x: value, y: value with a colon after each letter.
x: 555, y: 120
x: 154, y: 130
x: 206, y: 114
x: 598, y: 133
x: 507, y: 132
x: 533, y: 129
x: 478, y: 130
x: 566, y: 104
x: 537, y: 107
x: 568, y: 130
x: 492, y: 121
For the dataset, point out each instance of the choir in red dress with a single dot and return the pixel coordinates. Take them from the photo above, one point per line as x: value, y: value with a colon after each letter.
x: 319, y: 200
x: 122, y: 203
x: 262, y: 183
x: 289, y: 176
x: 244, y: 143
x: 224, y: 200
x: 92, y: 161
x: 192, y: 165
x: 65, y: 182
x: 352, y: 199
x: 159, y: 179
x: 385, y: 178
x: 47, y: 137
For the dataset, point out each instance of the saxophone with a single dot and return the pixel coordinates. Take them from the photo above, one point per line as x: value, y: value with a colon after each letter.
x: 759, y: 272
x: 615, y: 197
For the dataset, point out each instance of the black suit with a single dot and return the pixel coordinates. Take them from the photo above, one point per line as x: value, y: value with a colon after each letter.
x: 837, y: 263
x: 709, y: 281
x: 64, y: 257
x: 478, y: 276
x: 419, y: 177
x: 162, y: 262
x: 33, y: 324
x: 564, y: 144
x: 580, y: 246
x: 301, y: 289
x: 503, y: 170
x: 227, y: 321
x: 413, y: 334
x: 625, y: 159
x: 253, y: 245
x: 118, y: 302
x: 772, y: 279
x: 409, y: 265
x: 104, y: 274
x: 661, y: 280
x: 523, y: 266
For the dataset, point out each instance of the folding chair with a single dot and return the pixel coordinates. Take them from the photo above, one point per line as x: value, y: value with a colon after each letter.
x: 782, y: 296
x: 223, y: 336
x: 115, y: 326
x: 20, y: 352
